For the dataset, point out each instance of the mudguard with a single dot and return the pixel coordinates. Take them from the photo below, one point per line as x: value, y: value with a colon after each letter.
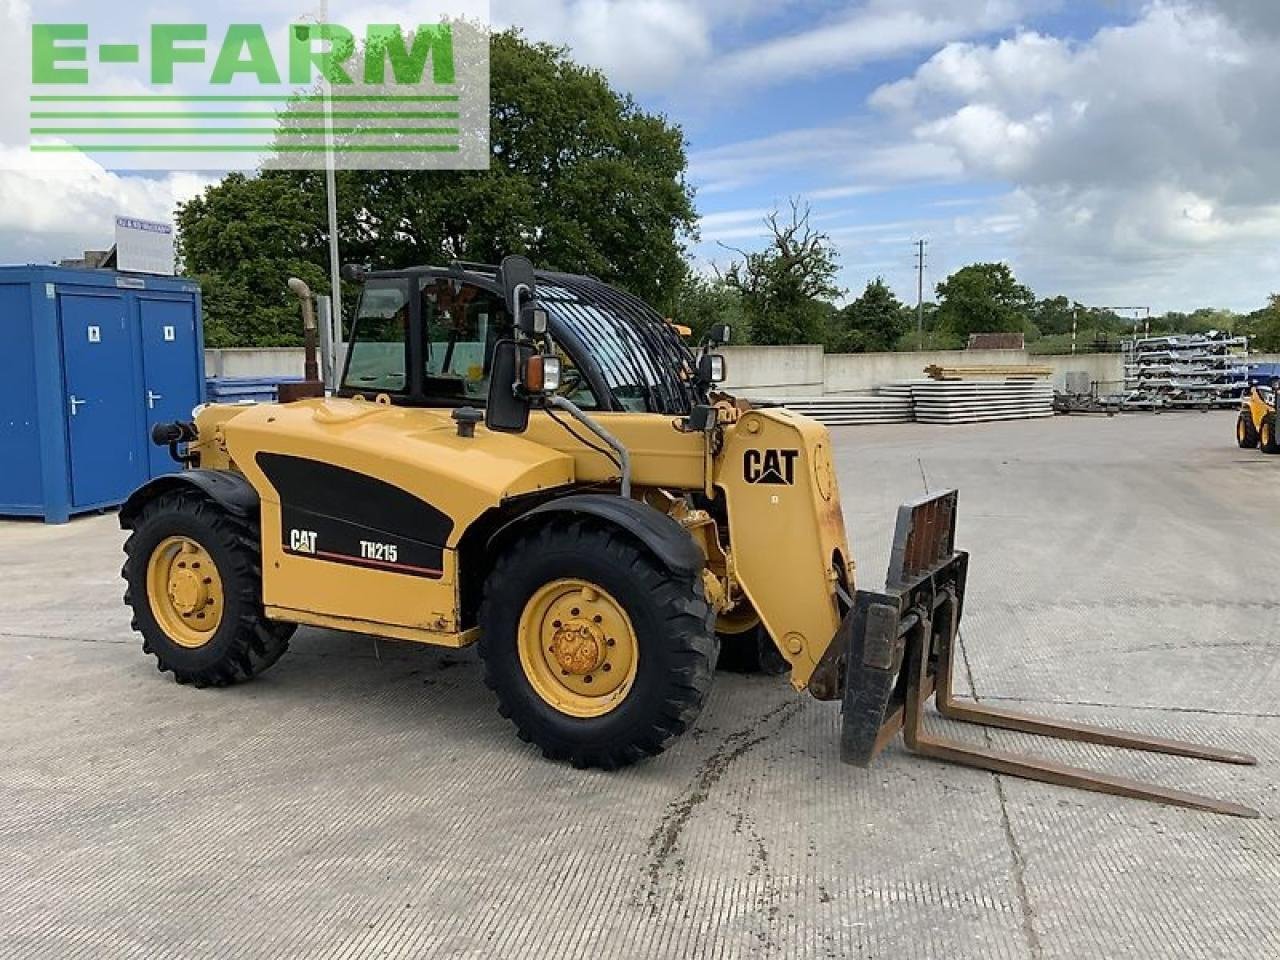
x: 662, y: 536
x: 231, y: 491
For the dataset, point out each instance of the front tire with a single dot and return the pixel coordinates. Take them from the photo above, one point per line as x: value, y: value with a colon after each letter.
x: 1267, y: 439
x: 1246, y: 435
x: 597, y: 653
x: 195, y: 587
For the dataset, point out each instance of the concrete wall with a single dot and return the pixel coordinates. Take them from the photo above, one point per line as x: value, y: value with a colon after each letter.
x: 771, y: 371
x: 863, y: 372
x: 775, y: 371
x: 247, y: 364
x: 1104, y: 369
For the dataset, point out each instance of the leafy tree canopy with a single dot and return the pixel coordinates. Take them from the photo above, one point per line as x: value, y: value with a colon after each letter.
x: 1264, y: 326
x: 582, y: 180
x: 874, y: 323
x: 786, y: 288
x: 983, y: 298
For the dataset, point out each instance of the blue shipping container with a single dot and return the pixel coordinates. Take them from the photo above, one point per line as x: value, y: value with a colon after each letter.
x: 93, y: 359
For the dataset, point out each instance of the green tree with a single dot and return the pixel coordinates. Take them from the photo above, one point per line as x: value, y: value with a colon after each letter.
x: 1054, y: 315
x: 581, y: 180
x: 983, y: 298
x: 786, y: 288
x: 225, y: 240
x: 703, y: 302
x: 1263, y: 326
x: 874, y: 323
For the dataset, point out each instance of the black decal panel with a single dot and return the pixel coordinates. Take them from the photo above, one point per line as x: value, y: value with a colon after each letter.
x: 340, y: 516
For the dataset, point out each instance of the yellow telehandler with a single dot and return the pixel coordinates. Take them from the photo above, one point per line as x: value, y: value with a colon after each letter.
x: 538, y: 464
x: 1256, y: 425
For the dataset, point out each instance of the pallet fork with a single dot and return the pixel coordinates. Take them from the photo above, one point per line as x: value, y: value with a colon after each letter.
x: 900, y: 651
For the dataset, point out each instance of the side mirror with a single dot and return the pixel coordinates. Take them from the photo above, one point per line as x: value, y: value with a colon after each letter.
x: 519, y: 284
x: 509, y: 405
x: 533, y: 320
x: 712, y: 369
x: 355, y: 272
x: 720, y: 335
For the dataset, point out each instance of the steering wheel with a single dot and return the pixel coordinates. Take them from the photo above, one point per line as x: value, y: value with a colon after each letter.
x: 571, y: 383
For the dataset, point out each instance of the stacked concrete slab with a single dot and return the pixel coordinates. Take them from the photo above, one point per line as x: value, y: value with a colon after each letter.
x: 932, y: 401
x: 981, y: 401
x: 851, y: 411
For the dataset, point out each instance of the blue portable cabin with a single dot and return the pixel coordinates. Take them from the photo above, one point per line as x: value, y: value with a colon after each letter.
x: 1261, y: 374
x: 93, y: 360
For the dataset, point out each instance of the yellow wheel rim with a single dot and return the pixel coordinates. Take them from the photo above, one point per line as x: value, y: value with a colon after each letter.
x: 741, y: 619
x: 578, y: 648
x: 1240, y: 431
x: 185, y: 591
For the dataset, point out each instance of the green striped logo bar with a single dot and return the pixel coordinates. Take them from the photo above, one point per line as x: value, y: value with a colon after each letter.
x: 134, y: 95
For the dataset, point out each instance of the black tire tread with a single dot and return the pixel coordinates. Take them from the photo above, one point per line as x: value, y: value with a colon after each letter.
x: 1274, y: 446
x: 1250, y: 441
x: 691, y: 642
x: 258, y: 643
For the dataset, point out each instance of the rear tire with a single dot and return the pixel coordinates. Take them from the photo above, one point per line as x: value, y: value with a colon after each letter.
x: 751, y: 652
x: 242, y: 643
x: 1246, y: 434
x: 659, y: 631
x: 1267, y: 439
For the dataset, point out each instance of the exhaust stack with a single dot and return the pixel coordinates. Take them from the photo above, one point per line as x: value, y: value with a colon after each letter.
x: 312, y: 386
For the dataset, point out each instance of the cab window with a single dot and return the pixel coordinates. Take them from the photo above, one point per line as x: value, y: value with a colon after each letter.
x: 462, y: 325
x: 377, y: 361
x: 573, y: 384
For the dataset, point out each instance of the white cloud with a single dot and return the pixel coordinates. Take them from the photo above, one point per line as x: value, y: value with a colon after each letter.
x: 686, y: 46
x: 70, y: 204
x: 868, y: 32
x: 641, y: 45
x: 1142, y: 159
x: 832, y: 152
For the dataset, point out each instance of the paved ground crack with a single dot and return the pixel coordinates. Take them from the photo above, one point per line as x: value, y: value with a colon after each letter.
x: 1018, y: 863
x: 665, y: 838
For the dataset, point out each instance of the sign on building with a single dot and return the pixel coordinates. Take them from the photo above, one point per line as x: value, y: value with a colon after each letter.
x: 143, y: 246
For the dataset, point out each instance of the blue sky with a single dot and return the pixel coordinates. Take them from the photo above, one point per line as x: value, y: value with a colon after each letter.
x: 1121, y: 152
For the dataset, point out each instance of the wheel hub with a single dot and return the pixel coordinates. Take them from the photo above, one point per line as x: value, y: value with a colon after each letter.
x: 579, y: 647
x: 188, y: 592
x: 185, y: 591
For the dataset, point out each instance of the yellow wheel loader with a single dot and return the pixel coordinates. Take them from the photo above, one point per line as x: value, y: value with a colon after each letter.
x: 538, y: 464
x: 1256, y: 426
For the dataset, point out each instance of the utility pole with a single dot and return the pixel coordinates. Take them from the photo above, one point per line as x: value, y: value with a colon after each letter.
x: 920, y: 265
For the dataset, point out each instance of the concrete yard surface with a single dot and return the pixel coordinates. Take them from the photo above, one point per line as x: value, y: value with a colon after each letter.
x: 366, y: 800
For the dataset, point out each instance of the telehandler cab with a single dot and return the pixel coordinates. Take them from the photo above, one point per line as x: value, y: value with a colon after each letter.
x: 538, y: 464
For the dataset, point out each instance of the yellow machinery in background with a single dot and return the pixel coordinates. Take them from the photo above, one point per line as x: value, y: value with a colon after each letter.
x: 537, y: 464
x: 1256, y: 426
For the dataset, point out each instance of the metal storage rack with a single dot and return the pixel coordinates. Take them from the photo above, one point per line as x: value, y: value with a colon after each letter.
x: 1210, y: 370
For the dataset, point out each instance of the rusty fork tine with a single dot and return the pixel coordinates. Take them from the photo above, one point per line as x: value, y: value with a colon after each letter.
x: 1048, y: 772
x: 920, y: 685
x: 900, y: 652
x: 1086, y: 733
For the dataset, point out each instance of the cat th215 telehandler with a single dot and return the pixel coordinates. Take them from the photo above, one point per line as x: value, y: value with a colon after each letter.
x: 538, y: 464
